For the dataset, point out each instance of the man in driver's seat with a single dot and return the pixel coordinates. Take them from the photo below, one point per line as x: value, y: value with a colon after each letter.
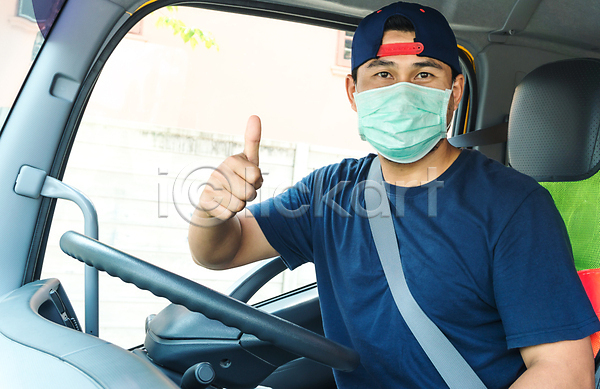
x: 485, y: 265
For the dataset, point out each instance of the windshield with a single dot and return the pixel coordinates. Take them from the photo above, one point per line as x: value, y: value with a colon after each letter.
x: 24, y: 24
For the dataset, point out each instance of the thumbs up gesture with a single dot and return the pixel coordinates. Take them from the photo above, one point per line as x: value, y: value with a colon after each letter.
x: 252, y: 139
x: 236, y: 180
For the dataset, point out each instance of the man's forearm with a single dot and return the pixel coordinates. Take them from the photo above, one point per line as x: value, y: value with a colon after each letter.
x: 213, y: 242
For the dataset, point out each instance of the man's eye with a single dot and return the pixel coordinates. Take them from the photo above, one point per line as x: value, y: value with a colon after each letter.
x: 423, y: 75
x: 384, y: 74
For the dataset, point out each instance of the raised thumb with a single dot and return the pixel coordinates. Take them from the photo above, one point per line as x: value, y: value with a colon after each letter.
x: 252, y: 139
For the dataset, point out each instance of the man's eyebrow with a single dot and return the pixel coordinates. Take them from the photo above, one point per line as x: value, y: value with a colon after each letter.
x: 427, y: 64
x: 381, y: 62
x: 422, y: 64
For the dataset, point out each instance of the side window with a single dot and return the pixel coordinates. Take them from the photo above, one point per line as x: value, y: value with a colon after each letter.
x: 171, y: 103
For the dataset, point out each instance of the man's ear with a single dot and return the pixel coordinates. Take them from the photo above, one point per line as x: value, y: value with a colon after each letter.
x: 350, y: 89
x: 458, y: 88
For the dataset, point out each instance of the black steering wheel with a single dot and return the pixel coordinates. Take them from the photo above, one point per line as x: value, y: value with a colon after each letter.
x: 214, y: 305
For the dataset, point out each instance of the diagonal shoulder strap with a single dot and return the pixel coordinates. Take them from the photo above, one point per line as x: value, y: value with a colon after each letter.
x: 453, y: 368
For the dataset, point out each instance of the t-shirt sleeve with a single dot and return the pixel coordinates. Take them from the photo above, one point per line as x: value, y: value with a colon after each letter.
x: 285, y: 221
x: 538, y: 293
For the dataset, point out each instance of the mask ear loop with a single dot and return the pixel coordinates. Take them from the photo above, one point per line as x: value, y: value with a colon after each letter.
x: 445, y: 114
x: 448, y: 125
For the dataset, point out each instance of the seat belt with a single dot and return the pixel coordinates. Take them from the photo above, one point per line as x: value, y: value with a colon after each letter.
x: 453, y: 368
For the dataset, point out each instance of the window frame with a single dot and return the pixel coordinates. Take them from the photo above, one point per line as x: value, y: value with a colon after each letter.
x: 466, y: 112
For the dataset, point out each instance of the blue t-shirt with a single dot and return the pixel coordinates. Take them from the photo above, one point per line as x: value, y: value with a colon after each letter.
x: 485, y: 254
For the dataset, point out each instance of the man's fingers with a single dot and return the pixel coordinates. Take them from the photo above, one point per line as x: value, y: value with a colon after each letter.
x: 220, y: 204
x: 252, y: 139
x: 226, y: 193
x: 234, y: 184
x: 217, y: 213
x: 237, y: 166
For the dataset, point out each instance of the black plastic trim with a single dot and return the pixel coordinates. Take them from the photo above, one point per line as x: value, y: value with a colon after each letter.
x: 286, y: 295
x: 250, y: 283
x: 579, y: 177
x: 469, y: 105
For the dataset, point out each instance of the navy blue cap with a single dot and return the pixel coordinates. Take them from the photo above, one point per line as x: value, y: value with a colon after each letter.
x: 431, y: 30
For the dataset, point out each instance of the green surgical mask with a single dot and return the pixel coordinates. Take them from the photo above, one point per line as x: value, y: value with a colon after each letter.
x: 403, y: 121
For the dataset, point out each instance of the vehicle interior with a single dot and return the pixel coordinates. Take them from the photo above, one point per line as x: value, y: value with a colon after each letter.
x: 532, y: 102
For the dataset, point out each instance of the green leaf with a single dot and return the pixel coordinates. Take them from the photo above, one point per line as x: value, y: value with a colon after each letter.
x: 190, y: 35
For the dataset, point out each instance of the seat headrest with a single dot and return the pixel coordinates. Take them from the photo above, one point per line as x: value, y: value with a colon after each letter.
x: 554, y: 121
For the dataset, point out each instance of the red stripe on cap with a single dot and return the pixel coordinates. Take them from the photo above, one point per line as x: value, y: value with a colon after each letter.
x: 402, y: 48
